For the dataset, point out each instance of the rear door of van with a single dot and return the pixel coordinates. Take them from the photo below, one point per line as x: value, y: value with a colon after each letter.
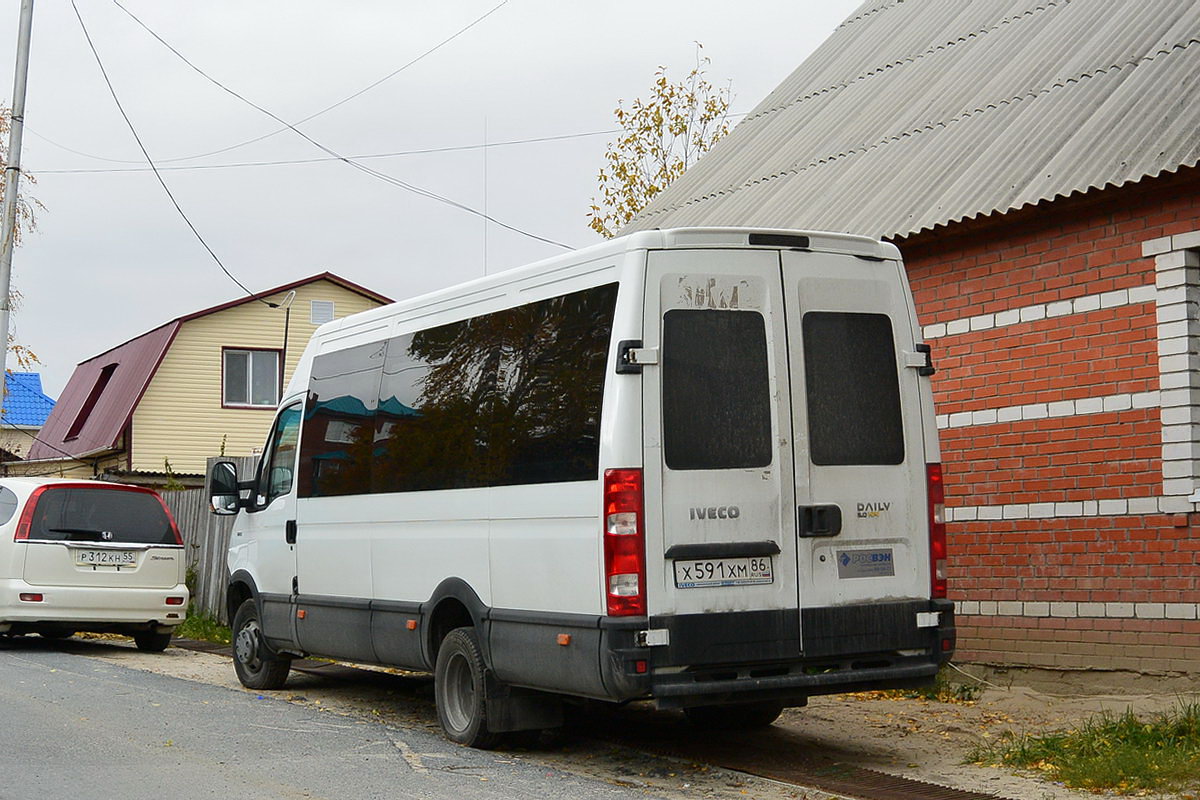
x: 861, y: 520
x: 783, y: 448
x: 720, y: 488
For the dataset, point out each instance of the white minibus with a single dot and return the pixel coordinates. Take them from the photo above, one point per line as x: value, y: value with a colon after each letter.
x: 695, y: 466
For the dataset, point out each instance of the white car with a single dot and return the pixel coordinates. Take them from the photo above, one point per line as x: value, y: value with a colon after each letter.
x: 89, y: 556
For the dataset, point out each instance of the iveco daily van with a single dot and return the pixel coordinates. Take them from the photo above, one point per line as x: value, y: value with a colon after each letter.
x: 697, y: 466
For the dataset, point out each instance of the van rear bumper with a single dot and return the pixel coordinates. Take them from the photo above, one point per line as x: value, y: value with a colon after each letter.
x: 780, y: 655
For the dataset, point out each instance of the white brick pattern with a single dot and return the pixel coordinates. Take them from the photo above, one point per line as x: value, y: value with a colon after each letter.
x: 1019, y: 608
x: 1063, y: 408
x: 1059, y: 308
x: 1177, y: 282
x: 1131, y: 507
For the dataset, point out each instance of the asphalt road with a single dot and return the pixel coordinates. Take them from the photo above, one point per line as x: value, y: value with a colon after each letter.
x: 76, y: 727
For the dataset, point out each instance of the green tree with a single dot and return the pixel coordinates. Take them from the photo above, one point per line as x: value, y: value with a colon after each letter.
x: 660, y: 138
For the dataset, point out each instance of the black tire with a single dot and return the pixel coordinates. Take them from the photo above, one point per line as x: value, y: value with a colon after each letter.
x: 735, y: 717
x: 149, y: 642
x: 256, y: 665
x: 459, y: 688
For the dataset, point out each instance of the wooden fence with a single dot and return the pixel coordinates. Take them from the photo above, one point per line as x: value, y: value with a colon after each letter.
x: 205, y: 540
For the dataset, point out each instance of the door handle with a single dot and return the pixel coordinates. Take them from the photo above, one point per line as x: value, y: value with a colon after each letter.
x: 819, y: 520
x: 289, y: 531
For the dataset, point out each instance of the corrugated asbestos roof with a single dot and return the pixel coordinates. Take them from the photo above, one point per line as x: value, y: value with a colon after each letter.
x: 918, y: 113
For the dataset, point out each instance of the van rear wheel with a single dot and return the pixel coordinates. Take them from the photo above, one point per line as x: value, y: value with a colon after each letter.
x: 735, y: 717
x: 460, y: 689
x: 256, y: 666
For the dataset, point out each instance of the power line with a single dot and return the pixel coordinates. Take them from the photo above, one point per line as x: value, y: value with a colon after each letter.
x: 314, y: 115
x: 300, y: 161
x: 12, y: 426
x: 394, y: 181
x: 150, y: 161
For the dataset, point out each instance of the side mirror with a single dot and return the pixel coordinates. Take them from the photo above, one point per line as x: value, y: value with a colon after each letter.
x: 224, y: 495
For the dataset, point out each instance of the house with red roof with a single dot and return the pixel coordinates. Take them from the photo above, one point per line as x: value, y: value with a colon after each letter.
x: 155, y: 408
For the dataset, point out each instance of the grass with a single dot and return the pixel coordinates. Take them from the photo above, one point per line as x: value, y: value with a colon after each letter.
x: 1120, y: 753
x: 203, y: 626
x: 942, y: 690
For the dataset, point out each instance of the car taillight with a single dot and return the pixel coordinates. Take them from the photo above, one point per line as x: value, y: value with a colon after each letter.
x: 937, y: 530
x: 171, y: 519
x: 26, y: 521
x: 624, y: 543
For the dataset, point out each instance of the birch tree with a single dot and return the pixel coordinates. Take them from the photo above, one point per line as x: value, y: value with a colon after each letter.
x: 660, y: 138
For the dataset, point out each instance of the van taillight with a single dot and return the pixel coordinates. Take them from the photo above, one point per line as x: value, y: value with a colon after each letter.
x: 26, y: 521
x: 937, y: 530
x: 624, y: 543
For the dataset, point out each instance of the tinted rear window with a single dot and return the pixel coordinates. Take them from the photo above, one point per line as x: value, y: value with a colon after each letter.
x: 716, y: 390
x: 853, y: 389
x: 85, y: 515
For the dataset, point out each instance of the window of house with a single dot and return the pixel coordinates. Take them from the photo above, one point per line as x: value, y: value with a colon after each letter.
x: 251, y: 378
x: 320, y: 311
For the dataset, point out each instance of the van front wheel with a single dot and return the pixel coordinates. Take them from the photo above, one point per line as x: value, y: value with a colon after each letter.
x: 256, y: 666
x: 460, y: 689
x: 735, y: 717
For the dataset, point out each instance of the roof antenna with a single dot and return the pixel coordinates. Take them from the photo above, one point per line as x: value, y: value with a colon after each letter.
x: 286, y: 305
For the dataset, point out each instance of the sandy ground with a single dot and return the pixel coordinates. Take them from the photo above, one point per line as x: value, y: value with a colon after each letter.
x: 919, y: 739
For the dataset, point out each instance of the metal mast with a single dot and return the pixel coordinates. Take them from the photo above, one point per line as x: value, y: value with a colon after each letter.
x: 12, y: 175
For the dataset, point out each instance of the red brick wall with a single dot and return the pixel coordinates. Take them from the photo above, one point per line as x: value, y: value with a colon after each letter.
x: 1084, y: 245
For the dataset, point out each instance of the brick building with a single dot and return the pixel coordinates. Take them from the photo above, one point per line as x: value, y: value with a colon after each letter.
x: 1036, y: 163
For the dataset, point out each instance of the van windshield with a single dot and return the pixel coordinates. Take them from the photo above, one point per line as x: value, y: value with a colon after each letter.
x: 100, y: 515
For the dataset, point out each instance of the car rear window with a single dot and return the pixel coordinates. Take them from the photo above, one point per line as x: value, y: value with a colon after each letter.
x: 80, y: 514
x: 853, y: 389
x: 716, y: 390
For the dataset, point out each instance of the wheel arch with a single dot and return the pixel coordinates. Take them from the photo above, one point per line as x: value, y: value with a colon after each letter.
x: 454, y: 604
x: 240, y: 588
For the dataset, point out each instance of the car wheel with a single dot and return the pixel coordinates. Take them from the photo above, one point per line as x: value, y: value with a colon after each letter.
x: 256, y: 666
x: 150, y: 642
x: 739, y: 716
x: 459, y: 688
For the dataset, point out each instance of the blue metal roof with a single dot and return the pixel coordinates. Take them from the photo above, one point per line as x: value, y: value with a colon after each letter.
x: 24, y: 402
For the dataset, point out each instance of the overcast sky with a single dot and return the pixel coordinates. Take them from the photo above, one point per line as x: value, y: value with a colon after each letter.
x: 112, y: 259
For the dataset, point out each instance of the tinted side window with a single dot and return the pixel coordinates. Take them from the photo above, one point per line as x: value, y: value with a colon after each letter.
x: 507, y: 398
x: 550, y: 382
x: 434, y: 403
x: 86, y: 515
x: 853, y: 389
x: 8, y: 504
x: 279, y: 465
x: 716, y: 390
x: 339, y: 422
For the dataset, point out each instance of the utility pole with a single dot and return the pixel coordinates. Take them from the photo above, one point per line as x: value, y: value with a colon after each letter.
x: 12, y: 175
